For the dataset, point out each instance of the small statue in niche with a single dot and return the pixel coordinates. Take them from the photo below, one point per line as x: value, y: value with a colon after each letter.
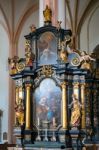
x: 32, y: 28
x: 13, y: 63
x: 75, y: 111
x: 59, y: 25
x: 85, y: 59
x: 19, y: 111
x: 47, y: 14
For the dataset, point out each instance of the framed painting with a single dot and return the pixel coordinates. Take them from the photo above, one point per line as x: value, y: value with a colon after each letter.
x: 47, y: 48
x: 48, y: 103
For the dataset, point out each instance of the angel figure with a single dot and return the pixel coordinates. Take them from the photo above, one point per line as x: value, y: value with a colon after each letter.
x: 86, y: 57
x: 75, y: 111
x: 85, y: 60
x: 59, y: 25
x: 32, y: 28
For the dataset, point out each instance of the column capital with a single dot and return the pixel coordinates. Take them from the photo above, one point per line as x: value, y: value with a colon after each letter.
x: 28, y: 85
x: 76, y: 84
x: 82, y: 85
x: 63, y: 84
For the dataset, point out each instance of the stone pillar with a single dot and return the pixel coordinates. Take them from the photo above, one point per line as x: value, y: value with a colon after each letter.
x: 28, y: 106
x: 64, y: 106
x: 62, y: 12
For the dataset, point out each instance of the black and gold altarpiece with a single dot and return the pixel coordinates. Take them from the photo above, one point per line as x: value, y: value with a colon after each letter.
x: 57, y: 98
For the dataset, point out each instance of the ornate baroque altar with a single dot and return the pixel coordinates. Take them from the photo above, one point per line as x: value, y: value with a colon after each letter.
x: 56, y: 102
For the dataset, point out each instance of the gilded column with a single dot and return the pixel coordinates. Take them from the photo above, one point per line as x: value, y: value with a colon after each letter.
x: 64, y: 106
x: 16, y: 94
x: 76, y: 89
x: 83, y: 105
x: 28, y: 106
x: 16, y: 100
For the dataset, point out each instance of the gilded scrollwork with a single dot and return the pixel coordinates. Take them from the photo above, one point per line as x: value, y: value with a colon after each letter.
x: 47, y: 70
x: 16, y: 65
x: 30, y: 57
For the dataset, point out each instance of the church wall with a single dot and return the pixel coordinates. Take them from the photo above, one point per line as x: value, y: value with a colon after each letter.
x: 89, y: 35
x: 32, y: 19
x: 19, y: 8
x: 4, y: 79
x: 7, y: 9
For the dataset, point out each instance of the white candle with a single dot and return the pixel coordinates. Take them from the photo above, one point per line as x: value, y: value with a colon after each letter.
x: 38, y: 121
x: 54, y: 122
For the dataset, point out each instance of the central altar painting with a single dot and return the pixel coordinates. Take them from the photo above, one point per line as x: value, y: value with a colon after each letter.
x: 48, y: 103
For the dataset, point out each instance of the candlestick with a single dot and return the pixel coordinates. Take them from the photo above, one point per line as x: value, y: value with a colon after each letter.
x: 54, y: 122
x: 38, y: 121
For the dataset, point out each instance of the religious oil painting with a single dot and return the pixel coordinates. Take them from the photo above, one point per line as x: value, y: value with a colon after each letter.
x: 47, y: 49
x: 48, y: 103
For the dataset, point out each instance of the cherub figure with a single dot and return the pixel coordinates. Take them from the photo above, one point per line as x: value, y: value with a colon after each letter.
x: 85, y: 59
x: 59, y: 25
x: 32, y: 28
x: 75, y: 111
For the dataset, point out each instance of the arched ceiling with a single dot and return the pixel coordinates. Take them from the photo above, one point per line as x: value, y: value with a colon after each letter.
x: 77, y: 10
x: 14, y: 10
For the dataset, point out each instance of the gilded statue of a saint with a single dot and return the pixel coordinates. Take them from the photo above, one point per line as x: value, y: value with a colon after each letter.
x: 75, y: 111
x: 20, y: 112
x: 47, y: 14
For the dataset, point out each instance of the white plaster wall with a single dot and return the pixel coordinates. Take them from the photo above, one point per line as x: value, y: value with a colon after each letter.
x: 4, y: 78
x: 94, y: 29
x: 2, y: 18
x: 33, y: 19
x: 83, y: 40
x: 19, y: 9
x: 6, y: 5
x: 82, y: 6
x: 89, y: 35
